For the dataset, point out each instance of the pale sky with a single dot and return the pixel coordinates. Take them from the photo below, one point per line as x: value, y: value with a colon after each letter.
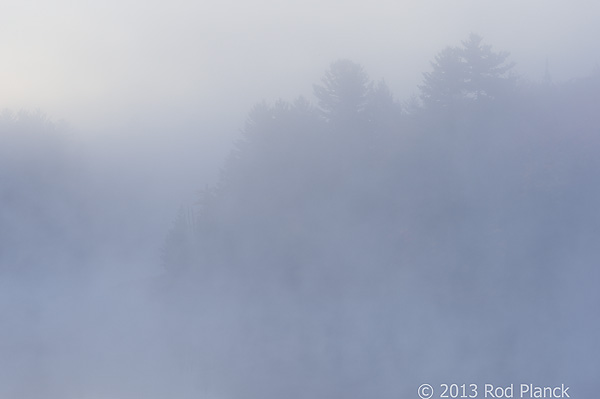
x: 90, y: 62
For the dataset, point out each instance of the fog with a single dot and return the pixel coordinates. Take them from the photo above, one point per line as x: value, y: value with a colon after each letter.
x: 309, y: 199
x: 89, y: 63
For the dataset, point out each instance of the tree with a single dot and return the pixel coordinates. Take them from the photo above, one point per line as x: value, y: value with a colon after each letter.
x: 468, y: 73
x: 381, y: 108
x: 443, y: 86
x: 486, y: 71
x: 344, y: 92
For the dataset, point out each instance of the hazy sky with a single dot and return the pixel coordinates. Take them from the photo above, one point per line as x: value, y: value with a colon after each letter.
x: 90, y: 62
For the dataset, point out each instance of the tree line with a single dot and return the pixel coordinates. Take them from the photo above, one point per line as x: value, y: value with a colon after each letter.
x: 372, y: 230
x: 354, y: 244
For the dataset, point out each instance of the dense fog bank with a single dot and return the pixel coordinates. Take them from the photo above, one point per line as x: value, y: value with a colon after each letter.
x: 361, y: 248
x: 81, y: 222
x: 353, y: 245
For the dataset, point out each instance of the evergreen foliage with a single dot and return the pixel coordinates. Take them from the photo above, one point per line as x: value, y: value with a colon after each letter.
x: 472, y: 72
x: 328, y: 241
x: 344, y: 91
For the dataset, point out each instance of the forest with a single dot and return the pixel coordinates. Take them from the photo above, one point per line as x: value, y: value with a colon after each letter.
x: 353, y: 246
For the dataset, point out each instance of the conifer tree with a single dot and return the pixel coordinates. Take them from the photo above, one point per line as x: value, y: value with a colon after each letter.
x: 344, y: 91
x: 470, y: 72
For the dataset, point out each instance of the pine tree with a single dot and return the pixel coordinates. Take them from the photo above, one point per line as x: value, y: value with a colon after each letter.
x: 470, y: 72
x: 344, y: 92
x: 486, y: 71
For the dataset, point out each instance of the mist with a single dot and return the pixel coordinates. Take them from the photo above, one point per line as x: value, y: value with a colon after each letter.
x: 226, y: 200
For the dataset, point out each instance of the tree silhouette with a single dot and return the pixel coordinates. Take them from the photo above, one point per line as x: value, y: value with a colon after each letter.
x: 344, y: 91
x: 381, y: 109
x: 486, y: 71
x: 470, y: 72
x: 445, y: 84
